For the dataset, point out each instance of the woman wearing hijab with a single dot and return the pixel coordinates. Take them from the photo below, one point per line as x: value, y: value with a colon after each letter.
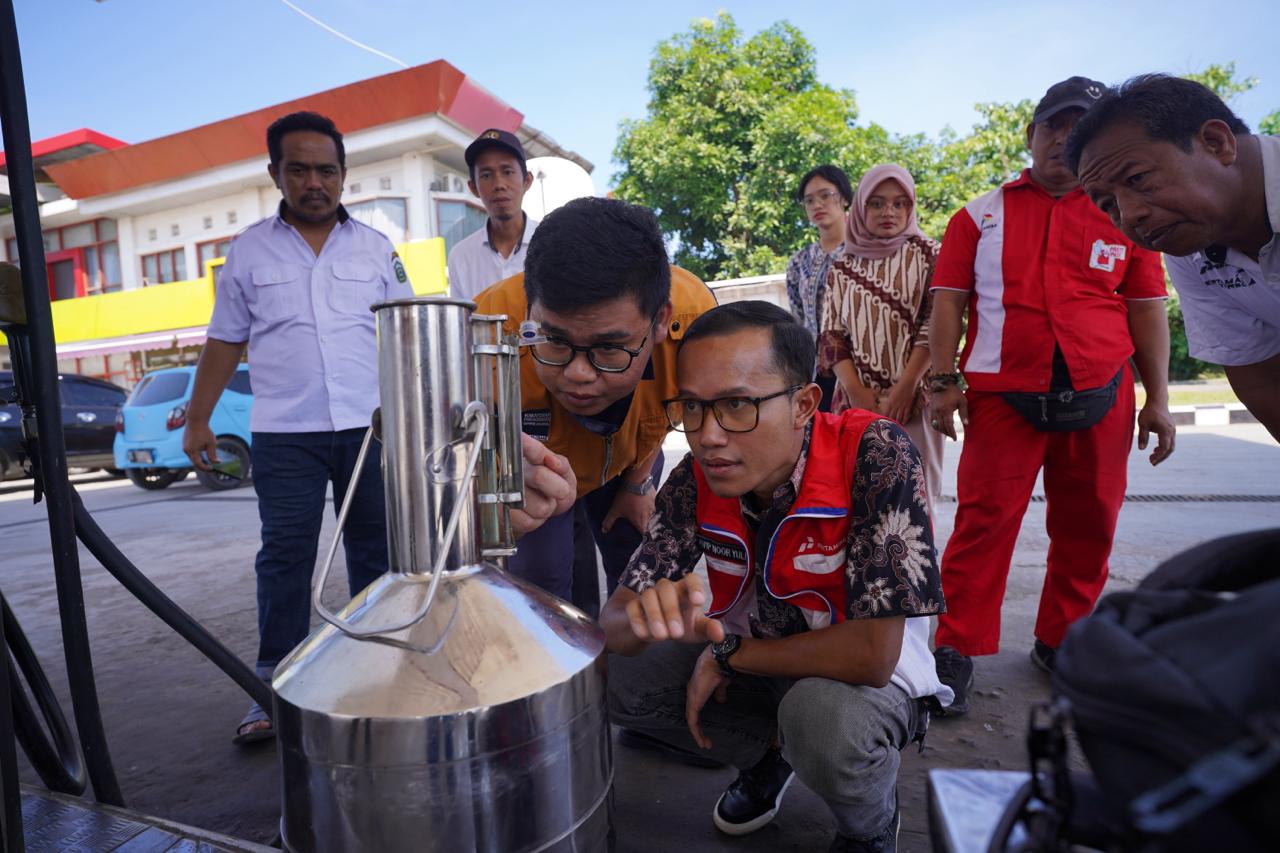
x: 875, y: 315
x: 825, y: 195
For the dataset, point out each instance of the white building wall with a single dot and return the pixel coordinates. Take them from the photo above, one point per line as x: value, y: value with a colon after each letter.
x: 215, y: 219
x: 130, y: 267
x: 415, y: 165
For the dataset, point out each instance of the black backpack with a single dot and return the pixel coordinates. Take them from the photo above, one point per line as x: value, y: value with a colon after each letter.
x: 1173, y: 693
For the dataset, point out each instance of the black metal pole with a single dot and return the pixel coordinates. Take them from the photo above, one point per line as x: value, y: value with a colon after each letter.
x: 11, y: 836
x: 51, y: 457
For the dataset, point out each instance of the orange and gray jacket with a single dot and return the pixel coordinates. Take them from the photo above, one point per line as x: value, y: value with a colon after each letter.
x: 595, y: 458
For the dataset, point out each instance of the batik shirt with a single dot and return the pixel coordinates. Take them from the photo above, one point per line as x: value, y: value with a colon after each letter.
x: 807, y: 281
x: 892, y: 565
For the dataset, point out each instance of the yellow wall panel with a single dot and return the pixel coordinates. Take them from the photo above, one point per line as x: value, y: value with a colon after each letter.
x: 184, y: 304
x: 424, y: 263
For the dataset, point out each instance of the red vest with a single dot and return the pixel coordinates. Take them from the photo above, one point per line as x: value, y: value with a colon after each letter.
x: 805, y: 560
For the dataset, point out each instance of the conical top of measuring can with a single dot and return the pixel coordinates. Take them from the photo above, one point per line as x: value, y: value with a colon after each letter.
x: 488, y: 639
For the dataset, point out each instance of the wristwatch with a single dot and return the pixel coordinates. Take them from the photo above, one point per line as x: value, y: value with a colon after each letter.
x: 642, y: 488
x: 723, y: 650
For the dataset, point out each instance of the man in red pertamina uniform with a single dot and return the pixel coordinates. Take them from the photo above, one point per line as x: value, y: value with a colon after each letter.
x: 1058, y: 300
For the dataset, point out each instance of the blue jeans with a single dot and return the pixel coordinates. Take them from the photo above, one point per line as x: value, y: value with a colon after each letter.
x: 554, y: 559
x: 291, y: 472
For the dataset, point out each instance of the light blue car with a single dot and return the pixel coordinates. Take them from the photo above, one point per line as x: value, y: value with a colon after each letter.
x: 150, y: 426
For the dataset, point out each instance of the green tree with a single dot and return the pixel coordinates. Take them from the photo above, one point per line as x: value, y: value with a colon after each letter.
x: 957, y: 168
x: 1221, y: 80
x: 732, y: 124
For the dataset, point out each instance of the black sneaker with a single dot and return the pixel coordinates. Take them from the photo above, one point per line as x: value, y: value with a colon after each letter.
x: 639, y: 740
x: 956, y: 671
x: 754, y: 797
x: 1044, y: 656
x: 885, y: 842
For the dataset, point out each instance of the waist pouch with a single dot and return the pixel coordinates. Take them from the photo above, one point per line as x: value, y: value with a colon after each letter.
x: 1065, y: 410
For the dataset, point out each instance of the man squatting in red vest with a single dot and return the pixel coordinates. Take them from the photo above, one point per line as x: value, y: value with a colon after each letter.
x: 819, y: 554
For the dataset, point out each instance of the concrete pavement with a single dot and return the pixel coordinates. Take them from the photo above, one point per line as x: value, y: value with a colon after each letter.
x: 169, y: 714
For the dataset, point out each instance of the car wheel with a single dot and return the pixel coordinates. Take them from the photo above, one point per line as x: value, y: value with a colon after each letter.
x: 228, y: 448
x: 153, y: 479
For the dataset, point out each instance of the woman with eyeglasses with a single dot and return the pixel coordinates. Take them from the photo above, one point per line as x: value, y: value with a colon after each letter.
x: 875, y: 316
x: 824, y: 194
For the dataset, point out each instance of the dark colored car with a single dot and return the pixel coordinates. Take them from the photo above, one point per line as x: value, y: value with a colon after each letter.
x: 89, y: 409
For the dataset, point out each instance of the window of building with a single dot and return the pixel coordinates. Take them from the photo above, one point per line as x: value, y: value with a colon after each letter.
x: 75, y: 236
x: 209, y: 251
x: 385, y: 214
x: 164, y: 267
x: 458, y: 219
x: 92, y: 251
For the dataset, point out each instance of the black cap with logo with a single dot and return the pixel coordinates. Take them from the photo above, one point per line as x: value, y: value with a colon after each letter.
x: 494, y: 138
x: 1073, y: 92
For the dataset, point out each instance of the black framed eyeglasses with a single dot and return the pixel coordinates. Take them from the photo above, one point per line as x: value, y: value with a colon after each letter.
x: 734, y: 414
x: 606, y: 358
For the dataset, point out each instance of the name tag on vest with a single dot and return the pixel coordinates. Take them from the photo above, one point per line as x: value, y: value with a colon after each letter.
x: 724, y: 556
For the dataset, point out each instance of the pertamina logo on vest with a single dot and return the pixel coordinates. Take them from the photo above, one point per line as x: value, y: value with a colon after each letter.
x: 1103, y: 255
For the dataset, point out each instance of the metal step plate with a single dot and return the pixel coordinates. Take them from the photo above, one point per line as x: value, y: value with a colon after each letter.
x: 69, y: 825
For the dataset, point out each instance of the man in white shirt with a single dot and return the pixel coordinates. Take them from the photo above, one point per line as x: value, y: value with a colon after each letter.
x: 499, y: 178
x: 296, y: 292
x: 1180, y: 173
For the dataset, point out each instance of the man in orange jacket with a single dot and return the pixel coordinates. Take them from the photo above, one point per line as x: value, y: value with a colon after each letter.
x: 603, y: 311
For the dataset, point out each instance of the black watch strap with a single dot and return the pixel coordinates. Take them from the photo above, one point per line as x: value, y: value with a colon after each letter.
x: 723, y: 650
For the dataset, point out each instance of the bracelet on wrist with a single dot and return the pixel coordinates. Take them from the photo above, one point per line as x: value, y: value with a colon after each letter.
x: 940, y: 381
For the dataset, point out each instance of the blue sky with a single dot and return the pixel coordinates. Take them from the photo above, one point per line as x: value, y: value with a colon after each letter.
x: 137, y: 69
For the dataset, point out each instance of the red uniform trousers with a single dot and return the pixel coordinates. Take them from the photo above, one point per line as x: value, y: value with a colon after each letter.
x: 1085, y: 473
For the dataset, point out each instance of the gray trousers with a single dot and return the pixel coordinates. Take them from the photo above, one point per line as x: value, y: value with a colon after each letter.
x: 843, y: 741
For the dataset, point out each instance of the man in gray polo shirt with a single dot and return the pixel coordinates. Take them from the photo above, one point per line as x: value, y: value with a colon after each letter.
x: 1180, y: 173
x: 499, y: 178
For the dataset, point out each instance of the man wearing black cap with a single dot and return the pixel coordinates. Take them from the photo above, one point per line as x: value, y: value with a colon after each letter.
x: 499, y: 178
x: 1058, y: 299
